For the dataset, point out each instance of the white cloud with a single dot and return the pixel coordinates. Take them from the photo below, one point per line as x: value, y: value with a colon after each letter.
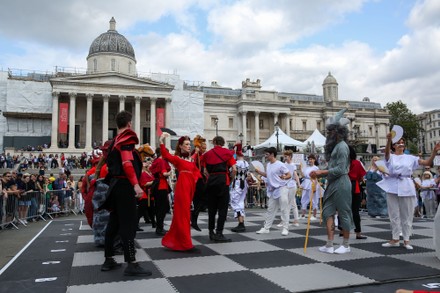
x: 250, y: 39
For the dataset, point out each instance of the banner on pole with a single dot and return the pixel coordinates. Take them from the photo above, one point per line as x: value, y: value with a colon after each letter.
x: 160, y: 120
x: 63, y: 117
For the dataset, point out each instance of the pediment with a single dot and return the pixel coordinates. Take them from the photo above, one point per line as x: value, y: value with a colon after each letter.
x: 111, y: 79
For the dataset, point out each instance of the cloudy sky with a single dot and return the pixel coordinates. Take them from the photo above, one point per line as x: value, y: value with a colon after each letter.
x: 387, y: 50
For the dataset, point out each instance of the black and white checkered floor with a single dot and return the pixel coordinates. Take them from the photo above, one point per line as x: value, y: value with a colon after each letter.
x: 63, y: 258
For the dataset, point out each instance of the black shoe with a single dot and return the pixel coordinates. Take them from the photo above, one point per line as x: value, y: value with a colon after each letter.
x: 109, y: 264
x: 361, y: 237
x: 219, y: 237
x: 139, y: 229
x: 195, y: 227
x: 153, y: 225
x: 240, y: 228
x: 212, y: 235
x: 161, y: 232
x: 134, y: 269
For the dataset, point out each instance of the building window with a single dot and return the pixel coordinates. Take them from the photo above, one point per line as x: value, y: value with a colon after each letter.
x: 371, y: 130
x: 147, y: 115
x: 113, y: 64
x: 231, y: 122
x: 261, y: 124
x: 318, y: 125
x: 304, y: 128
x: 95, y: 65
x: 129, y: 67
x: 438, y: 115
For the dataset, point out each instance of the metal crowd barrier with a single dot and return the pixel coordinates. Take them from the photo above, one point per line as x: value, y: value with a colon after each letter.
x: 35, y: 205
x: 256, y: 197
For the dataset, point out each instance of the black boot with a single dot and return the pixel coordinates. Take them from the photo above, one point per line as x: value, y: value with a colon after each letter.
x: 153, y: 224
x: 194, y: 216
x: 109, y: 264
x: 239, y: 228
x: 219, y: 237
x: 134, y: 269
x: 212, y: 235
x: 161, y: 231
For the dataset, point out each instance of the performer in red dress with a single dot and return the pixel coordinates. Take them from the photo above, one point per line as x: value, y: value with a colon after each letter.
x: 178, y: 236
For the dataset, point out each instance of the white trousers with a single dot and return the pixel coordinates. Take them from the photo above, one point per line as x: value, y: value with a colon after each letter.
x: 281, y: 202
x: 401, y: 213
x: 292, y: 202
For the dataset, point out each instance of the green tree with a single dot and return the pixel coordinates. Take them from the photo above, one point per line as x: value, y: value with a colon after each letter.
x: 401, y: 115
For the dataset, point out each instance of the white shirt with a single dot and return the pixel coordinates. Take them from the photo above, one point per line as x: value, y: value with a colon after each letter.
x: 291, y: 183
x: 274, y: 182
x: 307, y: 183
x: 399, y: 180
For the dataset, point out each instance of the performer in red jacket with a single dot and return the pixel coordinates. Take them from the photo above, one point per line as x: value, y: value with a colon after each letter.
x: 178, y: 236
x: 124, y: 166
x: 218, y: 161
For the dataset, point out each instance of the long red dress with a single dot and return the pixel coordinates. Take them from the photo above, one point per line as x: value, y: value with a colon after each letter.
x: 178, y: 236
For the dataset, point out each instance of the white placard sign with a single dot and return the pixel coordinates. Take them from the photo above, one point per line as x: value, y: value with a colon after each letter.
x: 297, y: 158
x: 437, y: 161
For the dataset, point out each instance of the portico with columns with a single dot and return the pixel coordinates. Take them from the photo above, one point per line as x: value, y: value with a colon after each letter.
x: 93, y: 105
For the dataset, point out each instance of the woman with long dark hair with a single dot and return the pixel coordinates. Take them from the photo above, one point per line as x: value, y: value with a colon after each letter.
x: 178, y: 236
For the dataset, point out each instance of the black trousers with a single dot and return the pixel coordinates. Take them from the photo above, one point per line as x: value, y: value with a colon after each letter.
x: 123, y: 219
x: 199, y: 199
x: 218, y: 201
x: 356, y: 200
x: 161, y: 206
x: 145, y: 211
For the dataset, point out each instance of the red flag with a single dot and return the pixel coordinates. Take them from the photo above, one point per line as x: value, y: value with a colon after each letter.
x: 160, y: 120
x: 63, y: 117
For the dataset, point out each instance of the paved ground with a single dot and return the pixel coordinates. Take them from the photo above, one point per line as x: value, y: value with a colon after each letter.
x: 63, y: 258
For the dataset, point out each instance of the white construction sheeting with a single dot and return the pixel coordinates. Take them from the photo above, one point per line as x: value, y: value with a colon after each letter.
x: 28, y: 96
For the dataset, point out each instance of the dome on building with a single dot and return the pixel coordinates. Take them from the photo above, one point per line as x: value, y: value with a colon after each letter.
x: 330, y: 79
x: 112, y: 42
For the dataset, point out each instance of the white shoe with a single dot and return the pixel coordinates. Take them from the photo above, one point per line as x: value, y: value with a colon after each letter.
x: 312, y: 218
x: 326, y: 249
x: 263, y: 231
x: 342, y: 249
x: 280, y: 224
x: 285, y: 232
x: 390, y: 244
x: 408, y: 247
x: 295, y: 224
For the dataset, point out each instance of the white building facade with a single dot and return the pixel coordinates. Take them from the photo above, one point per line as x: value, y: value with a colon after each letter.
x: 74, y: 112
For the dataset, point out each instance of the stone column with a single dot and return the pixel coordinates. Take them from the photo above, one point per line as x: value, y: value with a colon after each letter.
x: 257, y: 127
x: 137, y: 115
x: 89, y: 121
x: 153, y: 122
x: 54, y: 133
x: 121, y: 102
x: 288, y: 124
x: 168, y: 119
x: 72, y: 113
x: 105, y: 99
x: 243, y: 124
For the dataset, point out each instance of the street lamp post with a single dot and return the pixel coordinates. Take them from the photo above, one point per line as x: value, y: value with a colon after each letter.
x: 240, y: 137
x: 216, y: 126
x: 277, y: 128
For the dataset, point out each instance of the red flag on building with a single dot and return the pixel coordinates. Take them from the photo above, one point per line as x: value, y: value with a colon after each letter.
x: 160, y: 120
x: 63, y: 118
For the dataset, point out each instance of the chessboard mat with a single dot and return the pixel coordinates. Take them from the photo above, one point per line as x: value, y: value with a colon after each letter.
x: 63, y: 258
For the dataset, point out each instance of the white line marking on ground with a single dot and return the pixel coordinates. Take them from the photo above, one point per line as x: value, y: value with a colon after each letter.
x: 65, y: 234
x: 51, y: 262
x: 45, y: 280
x: 61, y: 241
x: 24, y: 248
x: 57, y: 250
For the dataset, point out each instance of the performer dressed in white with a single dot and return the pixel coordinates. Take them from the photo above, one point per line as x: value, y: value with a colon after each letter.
x: 310, y: 188
x: 400, y: 189
x: 292, y: 185
x: 277, y: 175
x: 238, y: 192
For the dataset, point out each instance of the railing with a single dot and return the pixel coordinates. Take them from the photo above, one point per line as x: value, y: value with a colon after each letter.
x: 20, y: 209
